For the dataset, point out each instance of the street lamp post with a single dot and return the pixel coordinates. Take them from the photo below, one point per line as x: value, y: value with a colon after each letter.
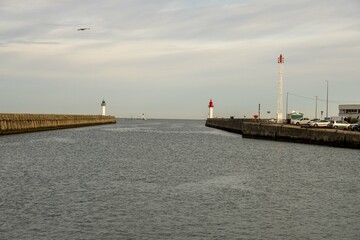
x: 259, y: 110
x: 287, y: 104
x: 316, y: 107
x: 327, y: 98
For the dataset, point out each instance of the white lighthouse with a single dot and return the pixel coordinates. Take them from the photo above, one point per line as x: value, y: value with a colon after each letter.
x: 279, y: 113
x: 211, y: 109
x: 103, y: 107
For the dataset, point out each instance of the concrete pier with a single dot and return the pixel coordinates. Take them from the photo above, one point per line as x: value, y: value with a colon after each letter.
x: 234, y: 125
x: 21, y: 123
x: 287, y: 132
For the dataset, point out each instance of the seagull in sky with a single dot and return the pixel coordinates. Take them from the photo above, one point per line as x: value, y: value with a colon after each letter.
x: 83, y: 29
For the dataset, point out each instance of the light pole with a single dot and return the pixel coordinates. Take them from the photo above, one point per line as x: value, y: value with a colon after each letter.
x: 287, y: 104
x: 259, y: 110
x: 316, y: 107
x: 327, y: 98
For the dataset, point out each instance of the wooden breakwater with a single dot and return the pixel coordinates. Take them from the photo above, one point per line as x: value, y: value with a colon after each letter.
x: 21, y: 123
x: 287, y: 132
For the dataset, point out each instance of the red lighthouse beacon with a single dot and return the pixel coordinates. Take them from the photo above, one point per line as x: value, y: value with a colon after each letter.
x: 211, y: 109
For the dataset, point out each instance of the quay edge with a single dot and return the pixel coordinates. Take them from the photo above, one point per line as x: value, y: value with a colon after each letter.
x: 234, y: 125
x: 11, y: 123
x: 250, y: 128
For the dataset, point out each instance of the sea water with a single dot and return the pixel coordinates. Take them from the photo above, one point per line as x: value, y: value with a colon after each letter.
x: 174, y: 179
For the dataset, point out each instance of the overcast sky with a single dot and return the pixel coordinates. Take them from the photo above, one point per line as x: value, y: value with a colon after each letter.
x: 167, y: 58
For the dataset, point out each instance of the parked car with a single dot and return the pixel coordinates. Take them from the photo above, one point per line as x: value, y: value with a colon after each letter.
x: 338, y: 124
x: 300, y: 121
x: 354, y: 126
x: 272, y: 120
x: 319, y: 123
x: 313, y: 120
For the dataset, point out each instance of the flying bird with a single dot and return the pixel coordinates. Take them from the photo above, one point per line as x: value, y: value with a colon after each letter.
x: 83, y: 29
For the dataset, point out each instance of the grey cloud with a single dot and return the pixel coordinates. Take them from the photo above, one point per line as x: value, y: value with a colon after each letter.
x: 158, y: 19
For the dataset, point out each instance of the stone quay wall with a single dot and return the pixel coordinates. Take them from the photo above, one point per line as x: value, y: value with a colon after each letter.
x: 21, y: 123
x: 234, y: 125
x: 287, y: 132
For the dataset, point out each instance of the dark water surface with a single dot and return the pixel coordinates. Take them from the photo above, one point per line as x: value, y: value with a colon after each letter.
x: 173, y: 179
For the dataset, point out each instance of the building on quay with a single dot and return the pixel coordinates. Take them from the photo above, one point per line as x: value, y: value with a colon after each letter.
x: 349, y: 110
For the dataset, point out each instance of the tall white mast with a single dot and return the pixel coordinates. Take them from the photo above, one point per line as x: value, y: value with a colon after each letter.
x: 279, y: 113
